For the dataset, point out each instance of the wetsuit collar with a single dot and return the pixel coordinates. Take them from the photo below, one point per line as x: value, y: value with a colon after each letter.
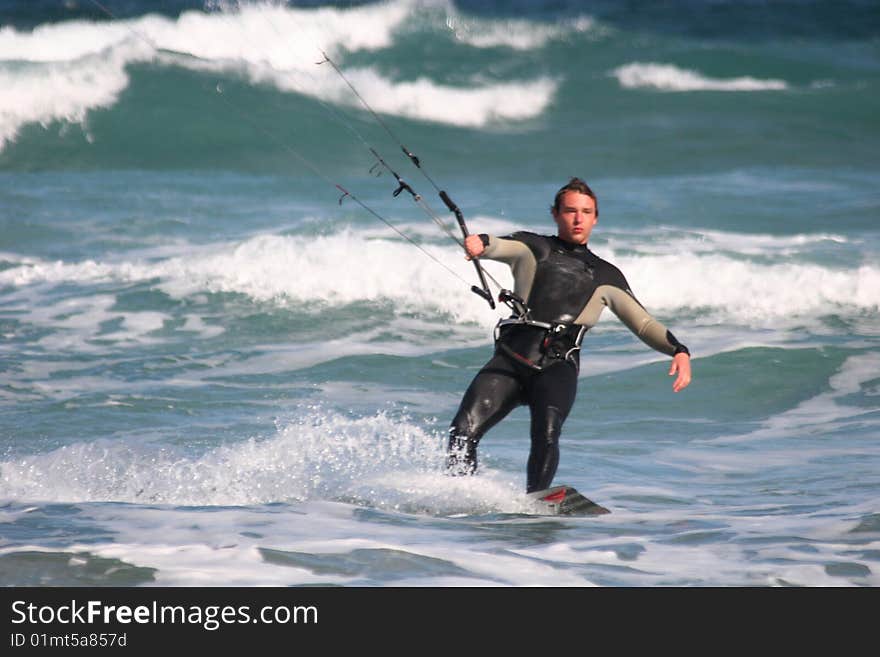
x: 570, y: 246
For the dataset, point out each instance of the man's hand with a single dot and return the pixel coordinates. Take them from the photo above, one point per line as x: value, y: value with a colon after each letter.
x: 681, y: 365
x: 473, y: 245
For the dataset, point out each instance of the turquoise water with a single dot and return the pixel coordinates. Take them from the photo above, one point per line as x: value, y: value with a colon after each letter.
x: 212, y: 372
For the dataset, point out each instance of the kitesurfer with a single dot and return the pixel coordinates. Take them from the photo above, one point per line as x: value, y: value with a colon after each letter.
x: 560, y: 289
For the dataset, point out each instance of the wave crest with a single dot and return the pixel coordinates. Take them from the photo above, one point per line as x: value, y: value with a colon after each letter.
x: 739, y: 287
x: 60, y: 72
x: 666, y: 77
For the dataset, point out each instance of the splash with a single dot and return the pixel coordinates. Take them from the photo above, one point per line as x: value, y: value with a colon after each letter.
x: 383, y: 461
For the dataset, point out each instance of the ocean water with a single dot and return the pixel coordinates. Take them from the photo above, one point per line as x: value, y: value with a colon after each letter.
x: 218, y: 369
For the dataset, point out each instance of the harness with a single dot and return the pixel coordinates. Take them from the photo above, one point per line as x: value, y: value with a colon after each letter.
x: 561, y: 341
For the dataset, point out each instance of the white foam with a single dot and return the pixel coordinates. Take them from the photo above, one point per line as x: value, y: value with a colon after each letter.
x: 669, y: 240
x: 730, y: 563
x: 314, y: 456
x: 226, y: 547
x: 196, y: 324
x: 304, y: 271
x: 515, y: 33
x: 743, y: 291
x: 667, y: 77
x: 428, y: 231
x: 476, y: 106
x: 285, y: 269
x: 78, y: 321
x: 60, y: 72
x: 66, y: 90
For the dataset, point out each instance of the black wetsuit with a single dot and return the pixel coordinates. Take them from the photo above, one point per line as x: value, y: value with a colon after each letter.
x: 565, y: 287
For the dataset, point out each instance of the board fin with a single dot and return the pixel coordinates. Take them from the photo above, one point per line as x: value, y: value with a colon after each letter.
x: 564, y: 500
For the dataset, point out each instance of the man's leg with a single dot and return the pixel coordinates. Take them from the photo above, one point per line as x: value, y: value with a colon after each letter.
x: 551, y: 396
x: 494, y: 392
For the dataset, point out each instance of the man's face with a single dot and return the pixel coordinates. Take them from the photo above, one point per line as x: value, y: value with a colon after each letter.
x: 575, y: 217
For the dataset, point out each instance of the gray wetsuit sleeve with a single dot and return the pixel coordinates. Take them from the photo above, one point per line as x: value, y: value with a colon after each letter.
x: 633, y: 315
x: 518, y: 257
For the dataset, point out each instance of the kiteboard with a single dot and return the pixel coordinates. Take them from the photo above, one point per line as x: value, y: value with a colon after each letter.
x: 564, y: 501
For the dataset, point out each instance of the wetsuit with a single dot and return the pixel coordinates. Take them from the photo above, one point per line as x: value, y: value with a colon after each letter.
x: 564, y: 287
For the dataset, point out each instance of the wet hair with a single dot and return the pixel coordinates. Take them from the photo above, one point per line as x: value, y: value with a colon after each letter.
x: 575, y: 185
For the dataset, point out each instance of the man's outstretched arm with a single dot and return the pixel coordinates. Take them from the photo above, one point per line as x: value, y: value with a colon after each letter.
x: 651, y: 331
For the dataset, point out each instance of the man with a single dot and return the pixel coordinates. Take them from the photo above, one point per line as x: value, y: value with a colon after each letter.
x: 560, y: 289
